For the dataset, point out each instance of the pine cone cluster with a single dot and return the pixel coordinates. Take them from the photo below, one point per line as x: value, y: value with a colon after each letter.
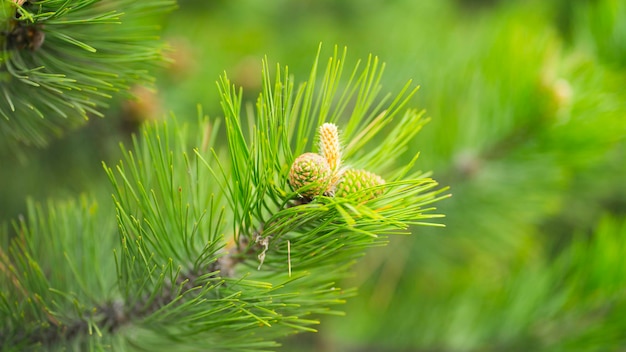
x: 312, y: 174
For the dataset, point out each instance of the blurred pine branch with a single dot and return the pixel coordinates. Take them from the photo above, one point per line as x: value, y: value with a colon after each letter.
x: 530, y: 134
x: 62, y: 61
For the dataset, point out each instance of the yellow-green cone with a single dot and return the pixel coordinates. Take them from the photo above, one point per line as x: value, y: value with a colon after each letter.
x: 329, y: 145
x: 312, y: 170
x: 353, y: 181
x: 330, y: 149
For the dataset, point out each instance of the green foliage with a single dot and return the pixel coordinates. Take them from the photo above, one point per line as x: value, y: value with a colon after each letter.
x: 534, y: 152
x: 598, y: 25
x: 213, y: 249
x: 62, y: 61
x: 527, y: 102
x: 56, y: 272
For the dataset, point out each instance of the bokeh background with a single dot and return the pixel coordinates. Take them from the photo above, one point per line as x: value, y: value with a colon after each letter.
x: 528, y: 107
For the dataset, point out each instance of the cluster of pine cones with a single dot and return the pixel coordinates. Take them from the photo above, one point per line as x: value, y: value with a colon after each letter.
x: 312, y: 174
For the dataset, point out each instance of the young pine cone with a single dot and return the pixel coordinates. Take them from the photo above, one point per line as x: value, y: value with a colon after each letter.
x: 330, y: 147
x: 310, y: 175
x: 353, y: 181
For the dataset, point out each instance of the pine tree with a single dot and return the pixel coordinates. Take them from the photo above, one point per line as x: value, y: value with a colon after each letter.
x: 527, y: 102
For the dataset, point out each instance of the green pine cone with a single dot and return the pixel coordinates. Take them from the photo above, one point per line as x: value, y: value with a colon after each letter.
x: 310, y: 175
x: 353, y: 181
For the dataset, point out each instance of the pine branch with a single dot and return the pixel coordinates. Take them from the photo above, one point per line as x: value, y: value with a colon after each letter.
x: 62, y: 61
x: 217, y: 249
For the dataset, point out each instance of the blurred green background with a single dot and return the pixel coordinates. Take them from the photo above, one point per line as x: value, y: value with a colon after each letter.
x: 528, y: 107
